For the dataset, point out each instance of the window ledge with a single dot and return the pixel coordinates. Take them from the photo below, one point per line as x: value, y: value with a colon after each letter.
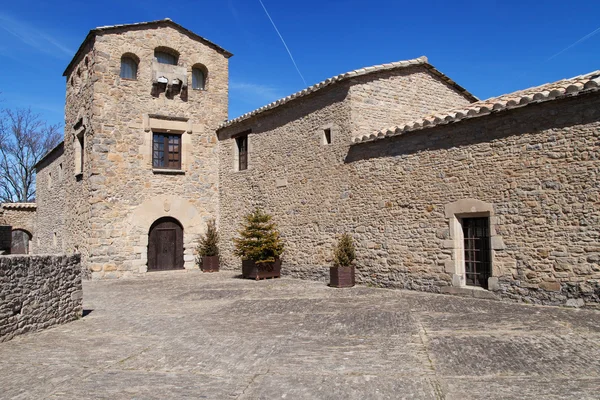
x: 168, y: 171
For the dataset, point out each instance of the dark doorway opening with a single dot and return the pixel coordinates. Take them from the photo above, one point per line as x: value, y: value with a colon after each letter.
x: 478, y: 255
x: 165, y: 245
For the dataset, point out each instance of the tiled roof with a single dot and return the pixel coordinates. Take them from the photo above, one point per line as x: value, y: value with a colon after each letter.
x: 348, y: 75
x: 166, y: 21
x: 550, y: 91
x: 19, y: 206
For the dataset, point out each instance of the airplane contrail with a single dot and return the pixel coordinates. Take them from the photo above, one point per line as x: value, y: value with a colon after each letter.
x: 589, y: 35
x: 283, y: 41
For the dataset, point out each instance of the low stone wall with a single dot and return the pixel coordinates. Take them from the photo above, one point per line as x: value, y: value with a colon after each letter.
x: 37, y: 292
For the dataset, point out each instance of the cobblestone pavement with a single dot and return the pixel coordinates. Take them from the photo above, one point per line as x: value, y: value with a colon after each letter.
x: 189, y: 335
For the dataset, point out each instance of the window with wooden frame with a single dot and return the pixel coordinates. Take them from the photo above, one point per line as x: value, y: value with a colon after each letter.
x: 166, y: 151
x: 242, y: 147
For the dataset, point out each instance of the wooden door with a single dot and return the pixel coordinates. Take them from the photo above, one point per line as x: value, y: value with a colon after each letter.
x: 165, y: 245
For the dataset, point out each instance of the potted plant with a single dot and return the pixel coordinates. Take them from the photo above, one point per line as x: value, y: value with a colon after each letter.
x: 208, y: 248
x: 342, y: 273
x: 259, y: 246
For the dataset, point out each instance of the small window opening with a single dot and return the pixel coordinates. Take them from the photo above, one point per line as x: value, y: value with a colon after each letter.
x: 60, y: 172
x: 54, y: 239
x: 49, y: 180
x: 79, y: 153
x: 129, y: 68
x: 242, y: 146
x: 198, y: 78
x: 164, y: 57
x: 327, y: 136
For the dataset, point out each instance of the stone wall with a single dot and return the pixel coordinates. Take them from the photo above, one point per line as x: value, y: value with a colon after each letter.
x: 51, y: 180
x: 38, y: 292
x: 390, y: 98
x: 534, y: 169
x: 5, y: 239
x: 120, y: 194
x: 292, y: 175
x: 19, y: 216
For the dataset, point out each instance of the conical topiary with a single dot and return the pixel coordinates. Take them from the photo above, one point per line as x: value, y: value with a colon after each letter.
x: 344, y: 255
x: 259, y: 239
x: 209, y: 243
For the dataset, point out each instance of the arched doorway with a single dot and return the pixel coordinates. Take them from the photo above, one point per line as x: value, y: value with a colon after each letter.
x: 20, y: 241
x: 165, y: 245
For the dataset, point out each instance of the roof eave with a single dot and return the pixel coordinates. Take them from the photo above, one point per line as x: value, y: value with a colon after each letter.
x: 420, y: 61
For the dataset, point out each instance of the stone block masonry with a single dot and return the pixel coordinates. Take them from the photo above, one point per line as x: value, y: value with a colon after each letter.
x: 37, y: 292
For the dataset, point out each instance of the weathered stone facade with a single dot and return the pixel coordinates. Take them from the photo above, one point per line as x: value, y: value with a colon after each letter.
x: 531, y: 172
x: 52, y: 197
x: 313, y: 162
x: 113, y: 202
x: 38, y: 292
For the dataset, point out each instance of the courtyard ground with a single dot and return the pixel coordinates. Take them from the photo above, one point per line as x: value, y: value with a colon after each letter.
x: 189, y: 335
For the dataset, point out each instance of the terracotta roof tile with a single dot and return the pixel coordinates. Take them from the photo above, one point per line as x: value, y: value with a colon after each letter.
x: 550, y: 91
x: 18, y: 206
x: 352, y: 74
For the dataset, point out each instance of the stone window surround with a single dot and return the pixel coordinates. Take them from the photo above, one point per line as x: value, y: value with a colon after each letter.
x: 168, y: 124
x: 454, y: 212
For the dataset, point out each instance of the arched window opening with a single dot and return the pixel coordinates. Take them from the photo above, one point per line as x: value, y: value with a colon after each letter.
x: 129, y: 67
x: 166, y: 56
x: 198, y: 79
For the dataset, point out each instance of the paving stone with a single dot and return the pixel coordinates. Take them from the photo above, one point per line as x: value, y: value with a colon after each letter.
x: 194, y: 336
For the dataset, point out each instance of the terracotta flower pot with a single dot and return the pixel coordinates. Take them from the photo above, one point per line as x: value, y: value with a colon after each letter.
x: 252, y: 270
x: 341, y: 277
x: 210, y: 264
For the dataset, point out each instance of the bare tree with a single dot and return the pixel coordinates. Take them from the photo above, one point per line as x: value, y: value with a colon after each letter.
x: 24, y: 140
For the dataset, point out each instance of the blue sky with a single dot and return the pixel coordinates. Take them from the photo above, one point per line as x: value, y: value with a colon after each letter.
x: 489, y: 47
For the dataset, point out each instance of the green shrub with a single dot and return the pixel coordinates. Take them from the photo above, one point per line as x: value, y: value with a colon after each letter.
x: 259, y: 239
x: 209, y: 243
x: 344, y: 254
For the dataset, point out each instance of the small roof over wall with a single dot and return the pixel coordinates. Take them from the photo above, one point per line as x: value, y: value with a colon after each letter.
x: 571, y: 87
x: 422, y: 61
x: 18, y: 206
x: 150, y: 24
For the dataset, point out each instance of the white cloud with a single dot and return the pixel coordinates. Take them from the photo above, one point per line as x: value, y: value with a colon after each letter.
x: 33, y: 37
x: 255, y: 91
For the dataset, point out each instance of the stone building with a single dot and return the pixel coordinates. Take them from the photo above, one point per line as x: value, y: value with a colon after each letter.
x: 21, y: 218
x: 496, y: 198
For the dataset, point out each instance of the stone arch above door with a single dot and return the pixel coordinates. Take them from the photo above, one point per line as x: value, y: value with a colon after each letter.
x: 191, y: 217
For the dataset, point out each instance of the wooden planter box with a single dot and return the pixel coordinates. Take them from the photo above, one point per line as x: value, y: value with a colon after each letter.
x: 252, y: 270
x: 341, y: 277
x: 210, y: 264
